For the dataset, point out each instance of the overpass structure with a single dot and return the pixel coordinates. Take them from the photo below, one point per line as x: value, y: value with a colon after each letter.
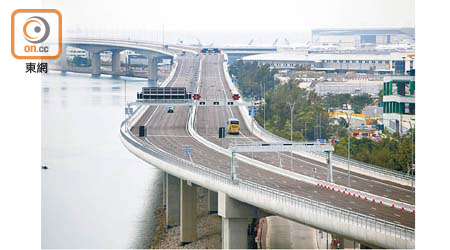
x: 234, y: 53
x: 154, y: 52
x: 378, y: 209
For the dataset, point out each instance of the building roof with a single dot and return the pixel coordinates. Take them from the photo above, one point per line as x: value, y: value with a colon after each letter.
x: 365, y: 31
x: 302, y: 57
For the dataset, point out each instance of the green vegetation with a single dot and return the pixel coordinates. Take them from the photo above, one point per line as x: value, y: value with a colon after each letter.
x: 310, y: 117
x: 250, y: 78
x: 393, y: 153
x: 358, y: 102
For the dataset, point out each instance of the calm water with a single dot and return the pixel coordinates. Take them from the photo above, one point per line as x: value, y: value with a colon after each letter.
x: 95, y: 193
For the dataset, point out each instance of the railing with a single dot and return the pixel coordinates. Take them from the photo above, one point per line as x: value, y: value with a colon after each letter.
x: 367, y: 166
x: 321, y: 209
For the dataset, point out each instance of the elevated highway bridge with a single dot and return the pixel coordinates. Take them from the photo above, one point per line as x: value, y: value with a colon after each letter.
x: 375, y: 211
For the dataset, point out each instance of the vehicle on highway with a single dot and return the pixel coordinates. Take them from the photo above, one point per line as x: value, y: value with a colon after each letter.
x: 183, y: 53
x: 170, y: 109
x: 233, y: 126
x: 210, y: 51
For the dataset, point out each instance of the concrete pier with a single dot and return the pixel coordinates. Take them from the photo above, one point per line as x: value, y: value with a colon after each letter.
x: 235, y: 218
x: 152, y: 70
x: 172, y: 200
x: 95, y: 62
x: 63, y: 58
x: 188, y: 201
x: 212, y: 202
x: 116, y: 63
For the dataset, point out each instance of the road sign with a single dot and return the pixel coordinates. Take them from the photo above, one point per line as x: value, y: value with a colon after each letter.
x: 187, y: 151
x: 128, y: 111
x: 252, y: 112
x: 142, y: 131
x: 222, y: 132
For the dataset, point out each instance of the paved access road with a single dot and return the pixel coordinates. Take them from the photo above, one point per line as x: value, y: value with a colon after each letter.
x: 168, y: 131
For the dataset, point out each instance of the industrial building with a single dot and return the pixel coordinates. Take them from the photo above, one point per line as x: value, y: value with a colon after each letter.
x: 363, y: 37
x: 393, y: 63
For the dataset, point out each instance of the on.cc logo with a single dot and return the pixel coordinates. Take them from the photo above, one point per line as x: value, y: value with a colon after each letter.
x: 40, y: 28
x: 36, y: 34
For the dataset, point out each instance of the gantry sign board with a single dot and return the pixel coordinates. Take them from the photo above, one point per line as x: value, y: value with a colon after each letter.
x: 190, y: 102
x: 180, y: 96
x: 281, y: 147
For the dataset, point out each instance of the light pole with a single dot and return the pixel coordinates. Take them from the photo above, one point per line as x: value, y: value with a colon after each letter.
x: 291, y: 106
x: 263, y: 89
x: 412, y: 154
x: 348, y: 145
x: 412, y: 143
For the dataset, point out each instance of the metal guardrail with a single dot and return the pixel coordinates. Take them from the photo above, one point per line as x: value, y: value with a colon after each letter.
x: 345, y: 216
x: 370, y: 167
x: 362, y: 165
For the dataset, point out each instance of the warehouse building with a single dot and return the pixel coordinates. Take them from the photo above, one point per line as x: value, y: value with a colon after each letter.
x: 363, y: 37
x: 394, y: 63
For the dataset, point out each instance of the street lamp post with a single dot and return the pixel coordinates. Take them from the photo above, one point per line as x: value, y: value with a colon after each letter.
x: 412, y: 154
x: 291, y: 106
x: 348, y: 147
x: 263, y: 89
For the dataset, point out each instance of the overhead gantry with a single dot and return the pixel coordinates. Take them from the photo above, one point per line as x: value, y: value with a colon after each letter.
x: 281, y: 147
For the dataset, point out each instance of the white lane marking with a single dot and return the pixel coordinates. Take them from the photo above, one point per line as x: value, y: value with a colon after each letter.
x: 154, y: 112
x: 353, y: 176
x: 374, y: 208
x: 397, y: 215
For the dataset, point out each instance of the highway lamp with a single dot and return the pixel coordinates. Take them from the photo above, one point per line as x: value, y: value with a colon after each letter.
x: 349, y: 116
x: 412, y: 157
x: 291, y: 106
x: 304, y: 130
x: 263, y: 90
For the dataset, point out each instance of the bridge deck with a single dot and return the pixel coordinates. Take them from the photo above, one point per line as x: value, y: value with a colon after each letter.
x: 168, y: 132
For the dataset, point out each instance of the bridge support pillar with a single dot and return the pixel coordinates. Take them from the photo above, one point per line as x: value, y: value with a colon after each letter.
x: 330, y: 167
x: 235, y: 220
x: 188, y: 200
x: 115, y: 63
x: 172, y: 200
x: 212, y: 202
x: 63, y: 59
x: 153, y: 70
x: 95, y: 61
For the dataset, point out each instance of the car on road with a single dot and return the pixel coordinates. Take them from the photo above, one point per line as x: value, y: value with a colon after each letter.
x: 170, y: 109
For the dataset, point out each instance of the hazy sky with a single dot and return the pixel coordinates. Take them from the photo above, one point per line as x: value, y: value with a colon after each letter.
x: 229, y: 16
